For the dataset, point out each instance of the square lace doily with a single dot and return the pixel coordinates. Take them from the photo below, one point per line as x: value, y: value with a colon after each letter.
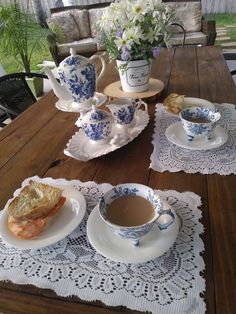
x: 169, y: 157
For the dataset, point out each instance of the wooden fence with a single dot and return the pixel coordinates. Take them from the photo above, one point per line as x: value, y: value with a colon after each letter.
x: 41, y: 8
x: 219, y: 6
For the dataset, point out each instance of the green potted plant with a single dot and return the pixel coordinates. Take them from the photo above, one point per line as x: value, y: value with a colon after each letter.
x: 21, y: 36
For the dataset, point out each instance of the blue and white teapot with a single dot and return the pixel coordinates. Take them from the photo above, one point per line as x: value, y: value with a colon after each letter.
x: 78, y: 80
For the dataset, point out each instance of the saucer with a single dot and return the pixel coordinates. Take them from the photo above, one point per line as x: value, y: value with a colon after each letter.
x: 152, y: 245
x: 66, y: 105
x: 176, y: 135
x: 193, y: 102
x: 82, y: 148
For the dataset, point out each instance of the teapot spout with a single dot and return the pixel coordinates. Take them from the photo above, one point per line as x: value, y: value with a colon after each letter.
x: 59, y: 90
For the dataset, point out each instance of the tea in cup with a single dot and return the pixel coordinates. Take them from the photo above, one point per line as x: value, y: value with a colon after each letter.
x: 199, y: 122
x: 130, y: 211
x: 123, y: 110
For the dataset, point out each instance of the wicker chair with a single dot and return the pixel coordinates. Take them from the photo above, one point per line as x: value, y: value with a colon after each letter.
x: 15, y: 94
x: 3, y: 117
x: 206, y: 35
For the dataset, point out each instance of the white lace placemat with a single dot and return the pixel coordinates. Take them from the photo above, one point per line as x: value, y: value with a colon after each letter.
x: 169, y: 157
x: 169, y: 284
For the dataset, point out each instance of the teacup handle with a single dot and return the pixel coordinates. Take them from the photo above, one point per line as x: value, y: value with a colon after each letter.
x: 167, y: 218
x: 103, y: 65
x: 139, y: 103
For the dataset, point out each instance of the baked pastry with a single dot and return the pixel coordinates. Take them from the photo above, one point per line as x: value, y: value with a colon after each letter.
x: 174, y: 103
x: 34, y: 201
x: 32, y: 210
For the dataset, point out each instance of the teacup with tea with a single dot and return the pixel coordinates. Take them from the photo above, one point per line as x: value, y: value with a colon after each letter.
x: 199, y: 122
x: 130, y: 211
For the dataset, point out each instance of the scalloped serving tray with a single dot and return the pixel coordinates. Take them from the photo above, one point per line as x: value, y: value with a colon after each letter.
x: 82, y: 148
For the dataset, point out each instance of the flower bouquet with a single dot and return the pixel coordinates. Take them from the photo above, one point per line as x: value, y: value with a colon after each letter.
x: 134, y: 31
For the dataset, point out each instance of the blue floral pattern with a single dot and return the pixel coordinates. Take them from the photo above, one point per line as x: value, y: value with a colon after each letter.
x: 79, y: 79
x: 98, y: 115
x: 120, y: 191
x: 197, y: 129
x: 155, y: 200
x: 72, y: 61
x: 124, y: 115
x: 97, y: 131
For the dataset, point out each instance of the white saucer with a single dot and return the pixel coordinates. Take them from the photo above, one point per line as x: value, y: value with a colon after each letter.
x: 68, y: 218
x: 193, y: 101
x: 152, y: 245
x: 65, y: 105
x: 176, y: 135
x: 82, y: 148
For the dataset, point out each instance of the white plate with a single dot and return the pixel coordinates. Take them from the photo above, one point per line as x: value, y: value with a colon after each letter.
x: 192, y: 101
x: 81, y: 148
x: 68, y: 218
x: 65, y: 105
x: 176, y: 135
x: 152, y: 245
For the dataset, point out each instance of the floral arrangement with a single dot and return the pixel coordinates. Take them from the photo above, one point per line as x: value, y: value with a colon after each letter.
x: 135, y: 30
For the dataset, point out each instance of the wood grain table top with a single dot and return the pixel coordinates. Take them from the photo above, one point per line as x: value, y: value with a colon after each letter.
x: 33, y: 145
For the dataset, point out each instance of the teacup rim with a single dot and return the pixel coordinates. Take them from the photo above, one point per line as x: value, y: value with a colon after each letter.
x: 194, y: 107
x: 116, y: 101
x: 129, y: 227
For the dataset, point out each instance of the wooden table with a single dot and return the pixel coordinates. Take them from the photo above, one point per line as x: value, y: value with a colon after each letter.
x: 33, y: 145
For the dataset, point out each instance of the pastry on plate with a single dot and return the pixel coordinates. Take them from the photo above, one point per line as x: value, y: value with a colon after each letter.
x: 174, y: 103
x: 31, y: 211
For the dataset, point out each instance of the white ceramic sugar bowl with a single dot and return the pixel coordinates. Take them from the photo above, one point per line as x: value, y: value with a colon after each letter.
x: 96, y: 124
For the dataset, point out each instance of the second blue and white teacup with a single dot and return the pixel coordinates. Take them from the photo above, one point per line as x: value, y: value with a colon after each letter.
x: 130, y: 210
x: 199, y: 122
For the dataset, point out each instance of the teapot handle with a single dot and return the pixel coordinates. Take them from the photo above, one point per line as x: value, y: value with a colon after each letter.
x: 103, y: 65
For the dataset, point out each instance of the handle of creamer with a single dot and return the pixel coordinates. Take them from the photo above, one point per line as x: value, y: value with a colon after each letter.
x: 139, y: 103
x: 103, y: 65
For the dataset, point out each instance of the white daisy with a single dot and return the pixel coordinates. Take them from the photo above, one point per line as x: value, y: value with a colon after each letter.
x: 123, y: 42
x: 135, y: 33
x: 139, y: 8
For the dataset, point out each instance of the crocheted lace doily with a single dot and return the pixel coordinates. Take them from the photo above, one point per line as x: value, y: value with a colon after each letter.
x: 169, y: 284
x: 169, y: 157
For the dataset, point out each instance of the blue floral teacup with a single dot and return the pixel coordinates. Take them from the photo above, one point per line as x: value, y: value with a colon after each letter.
x: 123, y: 110
x: 199, y: 122
x: 163, y: 218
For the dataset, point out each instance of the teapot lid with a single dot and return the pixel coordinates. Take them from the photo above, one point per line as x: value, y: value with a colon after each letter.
x: 74, y: 59
x: 97, y: 115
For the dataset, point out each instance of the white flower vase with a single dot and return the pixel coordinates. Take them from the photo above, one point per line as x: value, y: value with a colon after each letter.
x: 135, y: 77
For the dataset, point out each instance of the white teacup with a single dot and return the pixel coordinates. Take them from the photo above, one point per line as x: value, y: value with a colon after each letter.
x: 152, y: 212
x: 199, y: 122
x: 123, y: 110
